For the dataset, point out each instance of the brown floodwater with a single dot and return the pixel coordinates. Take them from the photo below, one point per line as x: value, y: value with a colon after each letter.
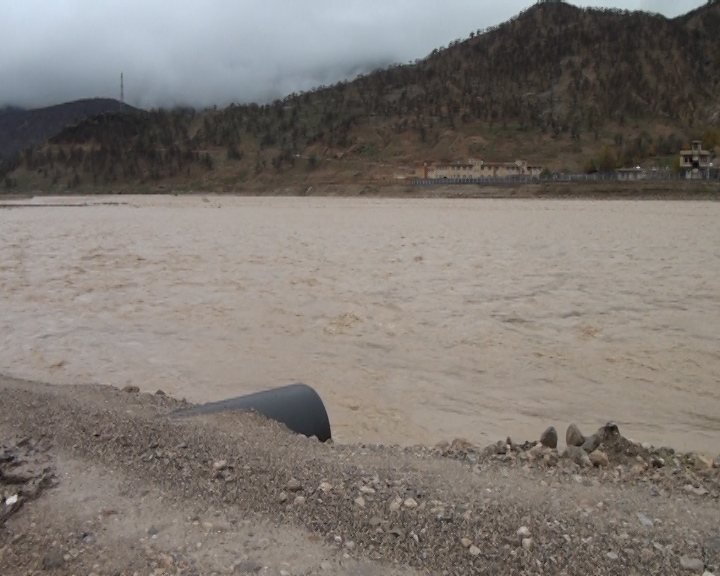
x: 416, y: 320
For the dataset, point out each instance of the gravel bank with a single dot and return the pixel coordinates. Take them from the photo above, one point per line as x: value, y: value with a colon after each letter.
x: 452, y: 509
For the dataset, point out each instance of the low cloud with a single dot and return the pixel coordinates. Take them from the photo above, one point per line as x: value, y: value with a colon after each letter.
x: 216, y: 52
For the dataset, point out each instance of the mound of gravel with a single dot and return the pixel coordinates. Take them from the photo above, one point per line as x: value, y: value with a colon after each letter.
x: 452, y: 509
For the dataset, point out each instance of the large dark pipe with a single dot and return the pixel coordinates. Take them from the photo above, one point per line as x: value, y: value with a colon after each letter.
x: 297, y: 406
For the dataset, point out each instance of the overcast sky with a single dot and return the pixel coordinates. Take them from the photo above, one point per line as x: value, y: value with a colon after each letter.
x: 207, y: 52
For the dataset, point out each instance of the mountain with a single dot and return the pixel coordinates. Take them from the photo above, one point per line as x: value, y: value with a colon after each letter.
x: 21, y: 128
x: 560, y: 86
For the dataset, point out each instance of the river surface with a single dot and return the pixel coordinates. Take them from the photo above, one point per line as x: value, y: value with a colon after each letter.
x: 416, y: 320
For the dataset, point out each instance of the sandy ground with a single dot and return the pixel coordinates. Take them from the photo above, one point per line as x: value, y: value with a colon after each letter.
x: 122, y: 489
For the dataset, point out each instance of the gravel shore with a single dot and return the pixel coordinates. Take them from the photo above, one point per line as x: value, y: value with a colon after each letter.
x: 98, y: 480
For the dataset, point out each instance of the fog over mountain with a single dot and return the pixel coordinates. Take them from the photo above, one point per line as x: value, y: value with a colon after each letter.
x: 214, y: 52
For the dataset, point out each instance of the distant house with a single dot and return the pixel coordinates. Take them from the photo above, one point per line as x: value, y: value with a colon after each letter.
x: 636, y: 173
x: 472, y: 170
x: 693, y: 161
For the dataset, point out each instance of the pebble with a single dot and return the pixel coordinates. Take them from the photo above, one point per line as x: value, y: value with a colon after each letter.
x: 692, y: 564
x: 131, y: 389
x: 325, y: 487
x: 466, y: 542
x: 350, y: 545
x: 360, y: 501
x: 474, y: 551
x: 220, y: 465
x: 573, y: 436
x: 644, y: 520
x: 326, y: 566
x: 524, y: 532
x: 282, y: 497
x: 367, y: 490
x: 299, y: 501
x: 527, y: 543
x: 53, y: 559
x: 395, y: 505
x: 612, y: 555
x: 549, y: 438
x: 410, y: 503
x: 293, y: 485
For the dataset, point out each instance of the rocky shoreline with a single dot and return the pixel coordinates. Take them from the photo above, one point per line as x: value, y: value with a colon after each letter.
x: 603, y: 505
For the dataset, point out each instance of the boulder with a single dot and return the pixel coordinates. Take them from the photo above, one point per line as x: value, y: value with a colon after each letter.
x: 577, y: 455
x: 573, y: 436
x: 591, y: 444
x: 549, y: 438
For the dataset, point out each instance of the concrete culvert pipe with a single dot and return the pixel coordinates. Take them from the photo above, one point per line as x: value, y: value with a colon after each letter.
x: 297, y: 406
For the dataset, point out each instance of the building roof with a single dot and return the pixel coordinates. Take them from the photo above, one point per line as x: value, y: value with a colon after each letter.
x: 691, y: 152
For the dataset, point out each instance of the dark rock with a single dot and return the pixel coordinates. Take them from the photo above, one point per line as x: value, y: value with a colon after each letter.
x: 160, y: 393
x: 53, y: 560
x: 608, y: 431
x: 573, y: 436
x: 591, y: 444
x: 549, y: 438
x: 131, y: 389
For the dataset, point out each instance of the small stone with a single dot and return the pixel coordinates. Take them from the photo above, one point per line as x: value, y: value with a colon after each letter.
x: 703, y: 462
x: 577, y: 455
x: 573, y: 436
x: 130, y: 389
x: 284, y: 573
x: 644, y: 520
x: 326, y: 566
x: 53, y: 559
x: 599, y: 459
x: 591, y: 444
x: 375, y: 521
x: 299, y: 501
x: 293, y: 485
x: 410, y: 503
x: 152, y: 531
x: 220, y: 465
x: 524, y: 532
x: 708, y: 574
x: 282, y: 497
x: 350, y: 545
x: 700, y: 491
x: 246, y: 567
x: 360, y: 501
x: 612, y: 555
x: 395, y: 505
x: 474, y: 551
x: 549, y: 438
x: 527, y: 543
x: 367, y: 490
x: 160, y: 393
x: 325, y: 487
x: 692, y: 564
x: 207, y: 525
x: 466, y: 542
